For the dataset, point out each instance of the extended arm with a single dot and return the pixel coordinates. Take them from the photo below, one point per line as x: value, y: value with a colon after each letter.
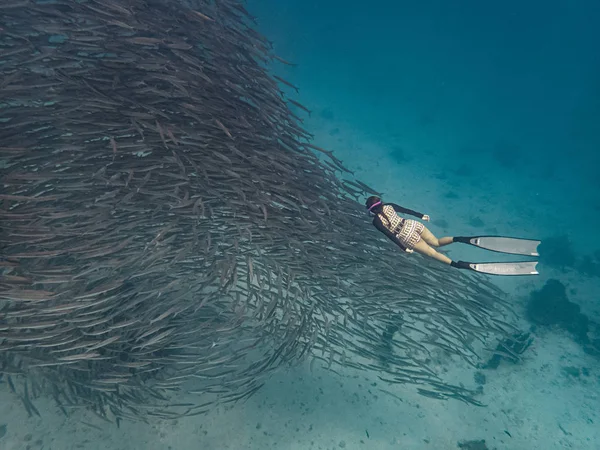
x: 403, y: 210
x: 379, y: 225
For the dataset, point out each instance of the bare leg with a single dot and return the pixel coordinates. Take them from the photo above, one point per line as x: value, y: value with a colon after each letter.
x: 428, y: 237
x: 424, y: 249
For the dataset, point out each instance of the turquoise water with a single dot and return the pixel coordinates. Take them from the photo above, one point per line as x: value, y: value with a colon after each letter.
x: 486, y: 117
x: 520, y: 77
x: 501, y: 103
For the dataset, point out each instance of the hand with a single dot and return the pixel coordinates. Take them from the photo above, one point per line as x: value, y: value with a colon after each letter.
x: 426, y: 218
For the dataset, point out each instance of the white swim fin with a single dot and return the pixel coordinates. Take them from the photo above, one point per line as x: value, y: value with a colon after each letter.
x: 501, y: 268
x: 514, y: 246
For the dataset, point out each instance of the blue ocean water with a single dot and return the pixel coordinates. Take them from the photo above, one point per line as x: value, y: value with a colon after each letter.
x: 501, y: 102
x: 486, y: 116
x: 522, y: 73
x: 521, y: 70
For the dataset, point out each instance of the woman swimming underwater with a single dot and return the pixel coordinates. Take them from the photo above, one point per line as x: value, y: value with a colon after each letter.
x: 411, y: 235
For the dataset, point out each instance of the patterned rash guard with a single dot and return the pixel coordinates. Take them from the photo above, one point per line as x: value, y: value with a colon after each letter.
x: 392, y: 226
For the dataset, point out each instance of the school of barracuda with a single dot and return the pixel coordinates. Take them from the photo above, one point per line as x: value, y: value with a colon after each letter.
x: 167, y: 227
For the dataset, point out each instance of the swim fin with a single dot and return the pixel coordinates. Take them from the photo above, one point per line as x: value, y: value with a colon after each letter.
x: 500, y: 268
x: 515, y: 246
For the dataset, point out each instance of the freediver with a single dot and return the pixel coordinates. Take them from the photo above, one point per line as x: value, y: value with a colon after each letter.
x: 411, y: 235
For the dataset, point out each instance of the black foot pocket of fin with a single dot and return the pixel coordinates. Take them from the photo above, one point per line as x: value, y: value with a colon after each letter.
x: 461, y: 265
x: 514, y: 246
x: 506, y: 268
